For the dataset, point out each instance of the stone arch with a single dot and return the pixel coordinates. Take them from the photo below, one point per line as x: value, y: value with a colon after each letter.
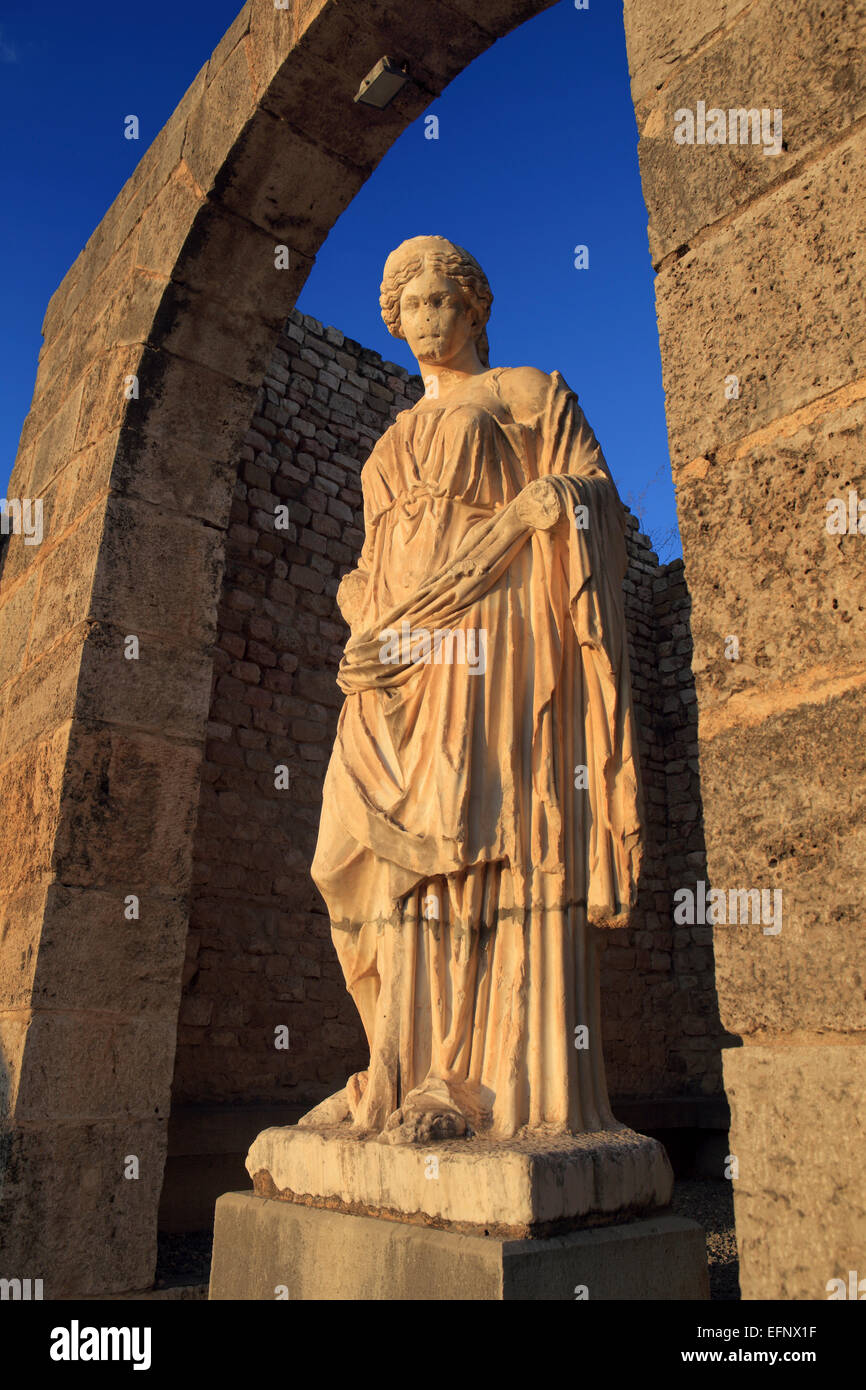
x: 154, y: 346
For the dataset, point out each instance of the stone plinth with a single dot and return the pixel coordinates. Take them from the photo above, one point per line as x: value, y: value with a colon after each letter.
x: 546, y: 1217
x: 515, y: 1188
x: 267, y: 1250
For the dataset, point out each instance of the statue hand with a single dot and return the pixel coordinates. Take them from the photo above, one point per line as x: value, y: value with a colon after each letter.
x: 351, y: 595
x: 539, y: 505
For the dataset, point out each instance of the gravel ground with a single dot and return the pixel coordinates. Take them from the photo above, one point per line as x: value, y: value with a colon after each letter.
x: 710, y: 1202
x: 185, y: 1259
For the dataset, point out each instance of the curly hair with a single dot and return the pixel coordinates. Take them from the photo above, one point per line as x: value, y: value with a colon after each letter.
x: 438, y: 253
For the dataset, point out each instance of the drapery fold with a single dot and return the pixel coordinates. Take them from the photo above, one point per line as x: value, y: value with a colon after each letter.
x: 477, y: 815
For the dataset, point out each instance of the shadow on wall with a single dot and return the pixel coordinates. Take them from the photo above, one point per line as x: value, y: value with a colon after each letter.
x: 663, y: 1033
x: 5, y: 1116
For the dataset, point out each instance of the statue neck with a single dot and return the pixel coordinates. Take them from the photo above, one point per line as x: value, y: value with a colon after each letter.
x: 442, y: 379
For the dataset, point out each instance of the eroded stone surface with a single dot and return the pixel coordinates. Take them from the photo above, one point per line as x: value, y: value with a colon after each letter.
x: 794, y: 260
x: 798, y: 1130
x: 529, y: 1185
x: 761, y: 69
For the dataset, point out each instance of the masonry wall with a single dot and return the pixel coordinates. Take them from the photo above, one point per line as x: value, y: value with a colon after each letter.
x: 760, y: 262
x: 662, y: 1034
x: 259, y: 953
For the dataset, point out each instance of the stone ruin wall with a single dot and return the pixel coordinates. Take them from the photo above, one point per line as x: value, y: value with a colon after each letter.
x: 259, y: 952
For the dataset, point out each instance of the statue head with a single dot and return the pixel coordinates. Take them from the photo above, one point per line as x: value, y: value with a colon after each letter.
x: 433, y: 262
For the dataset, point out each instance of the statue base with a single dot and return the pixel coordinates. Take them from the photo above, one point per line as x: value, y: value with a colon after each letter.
x: 540, y: 1185
x: 543, y: 1217
x: 267, y: 1250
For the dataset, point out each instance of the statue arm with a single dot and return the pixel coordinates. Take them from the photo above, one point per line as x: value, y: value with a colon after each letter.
x: 572, y: 466
x: 539, y: 505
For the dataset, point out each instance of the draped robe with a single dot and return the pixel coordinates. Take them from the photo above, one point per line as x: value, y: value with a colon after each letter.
x: 481, y: 820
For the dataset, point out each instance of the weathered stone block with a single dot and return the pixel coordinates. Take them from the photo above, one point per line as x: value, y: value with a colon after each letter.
x: 13, y: 1040
x: 515, y: 1187
x: 66, y: 583
x: 76, y: 1064
x: 54, y: 439
x: 87, y: 331
x: 796, y: 597
x: 247, y: 260
x: 222, y: 107
x: 43, y: 696
x: 196, y: 327
x: 234, y: 35
x: 106, y: 387
x: 21, y: 916
x: 146, y: 785
x: 32, y: 782
x: 661, y: 38
x: 265, y: 161
x: 158, y: 574
x: 165, y: 454
x: 134, y: 311
x: 266, y: 1250
x: 68, y: 1214
x: 70, y: 928
x: 16, y: 614
x: 689, y: 186
x: 75, y: 489
x: 165, y: 690
x: 776, y: 794
x: 795, y: 259
x: 166, y: 223
x: 798, y: 1128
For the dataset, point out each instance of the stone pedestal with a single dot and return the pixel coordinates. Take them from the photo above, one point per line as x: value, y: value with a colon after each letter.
x: 512, y: 1188
x: 554, y: 1217
x: 266, y: 1249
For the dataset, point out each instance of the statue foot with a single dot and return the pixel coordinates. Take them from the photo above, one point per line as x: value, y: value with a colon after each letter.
x: 333, y: 1111
x: 425, y: 1127
x: 340, y: 1108
x: 438, y: 1109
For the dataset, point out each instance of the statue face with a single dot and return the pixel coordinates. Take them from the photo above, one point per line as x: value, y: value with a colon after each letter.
x: 435, y: 317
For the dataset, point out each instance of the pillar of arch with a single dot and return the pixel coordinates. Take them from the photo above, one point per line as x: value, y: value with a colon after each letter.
x: 155, y: 344
x: 759, y: 261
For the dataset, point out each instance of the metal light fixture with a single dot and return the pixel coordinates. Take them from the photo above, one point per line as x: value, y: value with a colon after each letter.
x: 382, y: 84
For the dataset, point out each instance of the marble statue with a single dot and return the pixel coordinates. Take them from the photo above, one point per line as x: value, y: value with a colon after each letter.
x: 481, y: 814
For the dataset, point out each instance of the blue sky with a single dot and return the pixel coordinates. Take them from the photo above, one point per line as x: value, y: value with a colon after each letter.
x: 537, y: 154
